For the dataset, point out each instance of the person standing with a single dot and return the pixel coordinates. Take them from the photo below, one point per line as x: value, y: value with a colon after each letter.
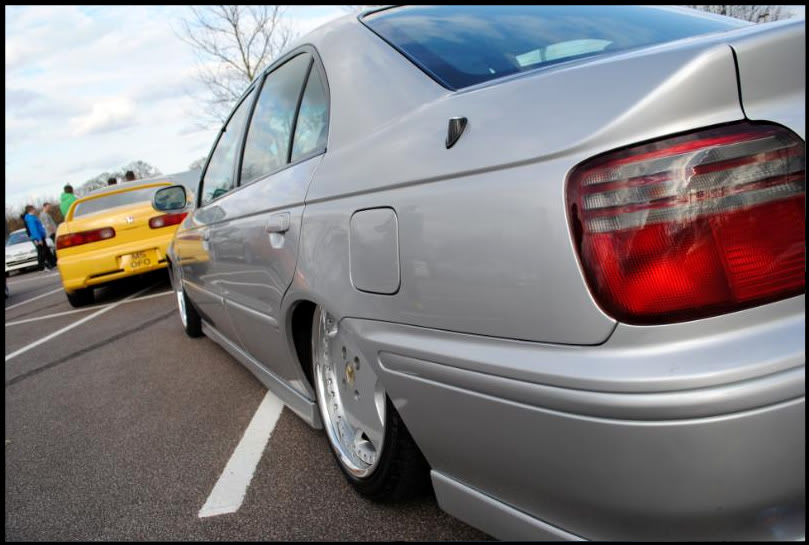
x: 48, y: 223
x: 38, y: 235
x: 66, y: 200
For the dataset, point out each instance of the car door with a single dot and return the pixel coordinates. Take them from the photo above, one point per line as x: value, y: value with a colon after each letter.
x: 256, y: 244
x: 202, y: 271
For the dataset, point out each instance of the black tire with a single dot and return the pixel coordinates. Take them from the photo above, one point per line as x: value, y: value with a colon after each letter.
x: 189, y: 317
x: 80, y: 297
x: 398, y: 470
x: 403, y: 472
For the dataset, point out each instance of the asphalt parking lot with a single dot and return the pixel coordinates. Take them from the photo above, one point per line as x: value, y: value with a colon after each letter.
x: 118, y: 427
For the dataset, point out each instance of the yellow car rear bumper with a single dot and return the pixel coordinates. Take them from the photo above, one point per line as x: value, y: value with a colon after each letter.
x: 94, y: 267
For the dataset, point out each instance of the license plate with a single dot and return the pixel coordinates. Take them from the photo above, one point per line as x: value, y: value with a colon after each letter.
x: 139, y: 260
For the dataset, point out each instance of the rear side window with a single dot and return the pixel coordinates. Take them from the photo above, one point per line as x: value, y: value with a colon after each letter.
x: 267, y: 146
x: 311, y: 129
x: 99, y: 204
x: 459, y: 46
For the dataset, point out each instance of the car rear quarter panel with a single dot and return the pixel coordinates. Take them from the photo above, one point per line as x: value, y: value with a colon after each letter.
x: 772, y: 74
x: 484, y: 239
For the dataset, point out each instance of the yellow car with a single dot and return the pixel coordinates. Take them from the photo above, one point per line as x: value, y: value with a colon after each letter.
x: 111, y: 234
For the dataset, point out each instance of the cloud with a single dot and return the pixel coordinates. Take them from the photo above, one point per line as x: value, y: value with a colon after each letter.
x: 108, y: 115
x: 22, y: 103
x: 94, y: 87
x: 20, y: 98
x: 190, y: 129
x: 37, y: 34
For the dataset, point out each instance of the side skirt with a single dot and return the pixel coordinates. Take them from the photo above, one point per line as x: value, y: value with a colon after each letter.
x: 300, y: 405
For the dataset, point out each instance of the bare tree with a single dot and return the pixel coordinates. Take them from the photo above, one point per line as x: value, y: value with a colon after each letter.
x: 141, y: 169
x: 14, y: 212
x: 233, y: 45
x: 756, y: 14
x: 198, y: 163
x: 13, y: 219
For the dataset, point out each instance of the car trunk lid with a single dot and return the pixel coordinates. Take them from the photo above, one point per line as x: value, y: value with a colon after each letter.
x: 130, y: 221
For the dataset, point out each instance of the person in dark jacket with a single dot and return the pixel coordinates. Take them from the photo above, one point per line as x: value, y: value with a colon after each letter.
x: 38, y: 234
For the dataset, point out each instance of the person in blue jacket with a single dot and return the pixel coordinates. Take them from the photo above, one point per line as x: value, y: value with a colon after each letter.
x: 38, y: 234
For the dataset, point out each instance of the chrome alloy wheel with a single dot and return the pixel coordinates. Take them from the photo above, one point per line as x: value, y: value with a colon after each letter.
x: 181, y: 305
x: 351, y: 398
x: 177, y: 283
x: 189, y: 317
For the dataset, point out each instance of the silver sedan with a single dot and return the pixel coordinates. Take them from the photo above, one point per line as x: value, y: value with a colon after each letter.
x: 546, y: 260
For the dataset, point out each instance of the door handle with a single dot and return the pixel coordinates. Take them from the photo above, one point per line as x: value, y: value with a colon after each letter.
x: 278, y: 223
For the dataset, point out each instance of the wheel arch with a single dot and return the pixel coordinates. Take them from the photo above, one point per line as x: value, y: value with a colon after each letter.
x: 299, y: 335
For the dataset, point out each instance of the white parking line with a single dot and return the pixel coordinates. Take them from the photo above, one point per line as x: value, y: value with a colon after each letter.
x: 65, y: 313
x: 229, y: 491
x: 75, y: 324
x: 33, y: 298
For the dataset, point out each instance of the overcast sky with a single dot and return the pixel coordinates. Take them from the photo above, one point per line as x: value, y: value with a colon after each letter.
x: 91, y: 88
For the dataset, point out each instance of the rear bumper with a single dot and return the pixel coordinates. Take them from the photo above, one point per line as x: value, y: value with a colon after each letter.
x: 94, y: 267
x: 687, y: 432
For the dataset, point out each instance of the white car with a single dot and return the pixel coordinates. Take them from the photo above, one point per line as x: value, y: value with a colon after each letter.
x: 21, y: 253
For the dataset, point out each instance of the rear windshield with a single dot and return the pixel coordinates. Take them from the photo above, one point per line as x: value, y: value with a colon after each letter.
x: 459, y: 46
x: 99, y: 204
x: 16, y: 238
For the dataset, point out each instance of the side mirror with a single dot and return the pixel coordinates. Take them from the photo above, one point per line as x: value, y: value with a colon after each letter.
x: 170, y: 199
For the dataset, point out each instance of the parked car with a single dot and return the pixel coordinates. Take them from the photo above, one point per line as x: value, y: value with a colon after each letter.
x: 110, y: 234
x: 552, y: 257
x: 21, y: 253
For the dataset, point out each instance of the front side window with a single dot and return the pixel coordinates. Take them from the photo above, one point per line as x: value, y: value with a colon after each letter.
x: 311, y: 129
x: 267, y: 146
x: 459, y: 46
x: 218, y: 178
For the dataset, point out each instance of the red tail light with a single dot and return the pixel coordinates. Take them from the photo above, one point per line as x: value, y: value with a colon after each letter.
x: 693, y: 226
x: 84, y: 237
x: 167, y: 219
